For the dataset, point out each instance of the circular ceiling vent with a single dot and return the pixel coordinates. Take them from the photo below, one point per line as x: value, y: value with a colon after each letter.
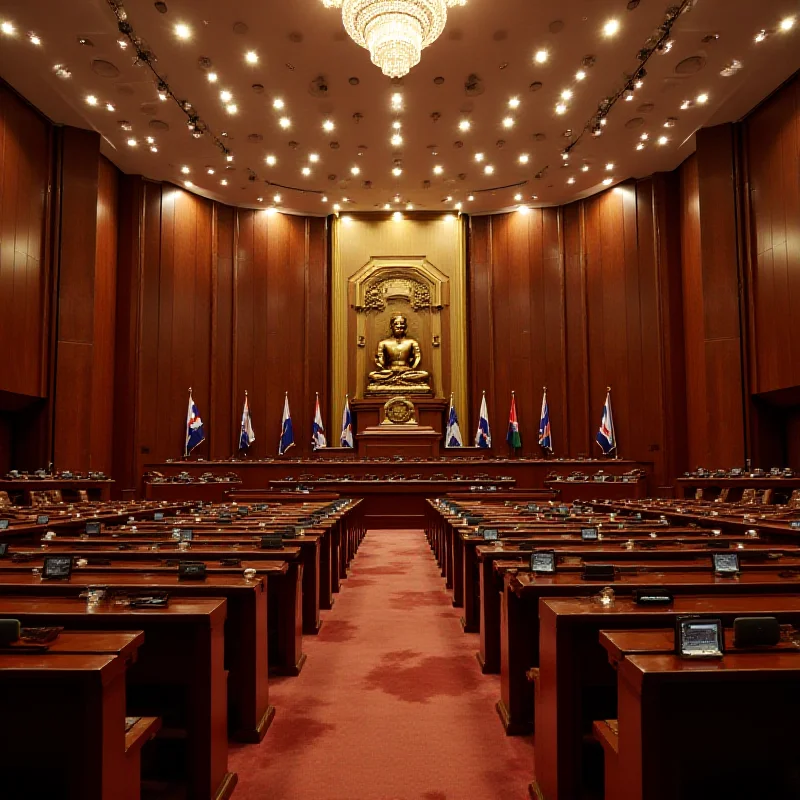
x: 255, y: 137
x: 105, y: 69
x: 690, y: 66
x: 158, y: 125
x: 635, y: 122
x: 149, y: 109
x: 473, y: 86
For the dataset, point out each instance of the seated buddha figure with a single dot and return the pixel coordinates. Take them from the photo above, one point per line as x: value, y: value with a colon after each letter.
x: 397, y: 359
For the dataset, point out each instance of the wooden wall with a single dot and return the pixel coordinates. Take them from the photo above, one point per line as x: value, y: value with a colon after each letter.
x: 577, y: 299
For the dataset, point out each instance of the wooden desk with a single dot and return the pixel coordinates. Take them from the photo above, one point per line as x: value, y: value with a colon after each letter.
x: 18, y: 488
x: 570, y: 491
x: 577, y: 685
x: 205, y: 491
x: 179, y: 675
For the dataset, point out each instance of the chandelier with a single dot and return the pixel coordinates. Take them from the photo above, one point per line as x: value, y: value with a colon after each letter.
x: 394, y: 31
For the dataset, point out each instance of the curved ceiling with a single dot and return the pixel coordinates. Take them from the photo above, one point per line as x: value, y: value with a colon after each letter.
x: 478, y: 91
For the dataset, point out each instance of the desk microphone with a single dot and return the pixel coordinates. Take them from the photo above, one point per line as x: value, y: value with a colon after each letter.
x: 9, y: 631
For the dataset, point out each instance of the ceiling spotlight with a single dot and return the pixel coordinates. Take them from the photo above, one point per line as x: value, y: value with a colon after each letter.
x: 508, y: 122
x: 185, y: 170
x: 91, y: 100
x: 306, y: 171
x: 686, y: 104
x: 638, y: 84
x: 609, y: 167
x: 479, y: 156
x: 603, y: 122
x: 336, y: 206
x: 34, y: 39
x: 229, y: 157
x: 566, y: 94
x: 662, y: 139
x: 449, y: 199
x: 607, y: 181
x: 570, y: 180
x: 628, y: 94
x: 438, y: 170
x: 123, y: 43
x: 458, y: 206
x: 260, y: 199
x: 787, y: 23
x: 223, y: 182
x: 271, y: 160
x: 580, y: 75
x: 313, y: 157
x: 488, y: 169
x: 183, y: 31
x: 150, y: 140
x: 666, y: 47
x: 284, y: 122
x: 251, y: 57
x: 324, y: 198
x: 561, y: 108
x: 611, y: 27
x: 188, y: 184
x: 162, y: 95
x: 585, y: 168
x: 513, y: 102
x: 518, y: 197
x: 523, y: 209
x: 640, y: 146
x: 132, y: 142
x: 8, y: 28
x: 761, y: 35
x: 231, y: 108
x: 277, y: 104
x: 397, y: 101
x: 354, y: 170
x: 464, y: 125
x: 409, y: 206
x: 644, y: 137
x: 397, y: 125
x: 397, y: 172
x: 387, y: 207
x: 470, y: 197
x: 396, y: 140
x: 225, y: 96
x: 328, y: 125
x: 212, y: 77
x: 153, y: 149
x: 62, y: 71
x: 541, y: 56
x: 397, y: 216
x: 523, y: 158
x: 109, y: 107
x: 210, y: 170
x: 702, y: 98
x: 565, y: 155
x: 669, y: 122
x: 276, y: 198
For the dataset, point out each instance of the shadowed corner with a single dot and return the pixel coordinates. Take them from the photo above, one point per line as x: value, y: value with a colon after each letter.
x: 433, y: 676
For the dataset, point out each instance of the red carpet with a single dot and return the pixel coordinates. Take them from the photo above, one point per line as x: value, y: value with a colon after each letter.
x: 391, y: 704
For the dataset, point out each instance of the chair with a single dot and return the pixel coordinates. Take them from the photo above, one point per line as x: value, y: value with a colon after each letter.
x: 5, y: 500
x: 38, y: 498
x: 723, y: 496
x: 749, y: 497
x: 794, y: 499
x: 698, y: 493
x: 83, y: 496
x: 55, y: 496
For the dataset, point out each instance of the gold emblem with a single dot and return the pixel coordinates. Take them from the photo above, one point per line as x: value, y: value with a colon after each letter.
x: 399, y: 411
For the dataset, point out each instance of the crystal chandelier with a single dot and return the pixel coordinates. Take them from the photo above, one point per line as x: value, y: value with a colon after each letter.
x: 394, y: 31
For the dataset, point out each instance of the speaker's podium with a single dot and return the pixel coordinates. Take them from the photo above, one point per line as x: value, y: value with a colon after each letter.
x: 399, y: 426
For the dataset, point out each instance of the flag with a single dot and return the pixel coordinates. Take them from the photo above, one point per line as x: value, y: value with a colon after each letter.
x: 545, y: 440
x: 247, y: 435
x: 317, y: 430
x: 483, y: 438
x: 346, y: 438
x: 194, y: 427
x: 287, y: 432
x: 513, y: 437
x: 606, y: 437
x: 452, y: 436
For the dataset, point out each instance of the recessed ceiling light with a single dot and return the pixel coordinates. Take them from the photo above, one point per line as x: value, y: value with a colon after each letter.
x: 34, y: 39
x: 685, y: 104
x: 518, y: 197
x: 355, y: 170
x: 387, y: 206
x: 640, y: 146
x: 580, y: 75
x: 336, y: 206
x: 284, y: 122
x: 328, y: 125
x: 231, y: 108
x: 278, y: 104
x: 638, y: 84
x: 229, y: 157
x: 271, y: 160
x: 702, y: 98
x: 123, y: 43
x: 488, y: 169
x: 251, y: 57
x: 153, y: 149
x: 188, y: 184
x: 185, y: 170
x: 225, y: 96
x: 662, y: 139
x: 464, y: 125
x: 565, y: 155
x: 132, y: 142
x: 541, y: 56
x: 110, y: 107
x: 523, y: 209
x: 604, y: 122
x: 223, y: 182
x: 458, y: 206
x: 438, y: 170
x: 513, y: 102
x: 397, y: 140
x: 523, y: 158
x: 397, y: 101
x: 609, y: 167
x: 91, y: 100
x: 8, y: 28
x: 397, y: 125
x: 397, y: 172
x: 150, y: 140
x: 183, y: 31
x: 479, y: 156
x: 611, y: 27
x: 566, y: 94
x: 570, y: 180
x: 324, y: 198
x: 760, y: 36
x: 313, y: 157
x: 306, y: 171
x: 449, y: 199
x: 276, y: 198
x: 787, y: 23
x: 409, y: 206
x: 607, y: 181
x: 212, y: 77
x: 470, y: 197
x: 508, y: 122
x: 260, y: 199
x: 210, y: 170
x: 585, y: 168
x: 397, y: 216
x: 561, y: 108
x: 644, y: 137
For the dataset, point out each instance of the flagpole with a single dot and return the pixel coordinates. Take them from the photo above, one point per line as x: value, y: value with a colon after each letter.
x: 186, y: 433
x: 240, y: 433
x: 613, y: 432
x: 547, y: 450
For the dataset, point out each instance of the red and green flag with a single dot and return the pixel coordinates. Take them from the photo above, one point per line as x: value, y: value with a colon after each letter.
x: 513, y: 437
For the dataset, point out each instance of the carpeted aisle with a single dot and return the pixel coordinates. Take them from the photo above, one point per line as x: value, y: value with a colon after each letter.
x: 391, y: 704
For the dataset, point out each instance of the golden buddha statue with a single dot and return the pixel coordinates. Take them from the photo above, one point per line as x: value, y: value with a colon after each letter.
x: 397, y: 359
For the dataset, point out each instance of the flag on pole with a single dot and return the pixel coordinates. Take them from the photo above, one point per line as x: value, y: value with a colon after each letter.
x: 247, y: 435
x: 194, y: 427
x: 452, y: 436
x: 346, y: 437
x: 318, y: 440
x: 545, y: 440
x: 606, y: 437
x: 513, y: 437
x: 287, y: 432
x: 483, y: 438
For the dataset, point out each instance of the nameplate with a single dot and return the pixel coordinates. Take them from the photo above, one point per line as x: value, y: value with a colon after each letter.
x: 191, y: 571
x: 473, y: 520
x: 225, y: 519
x: 289, y: 533
x: 651, y: 597
x: 721, y: 544
x: 158, y: 516
x: 42, y: 519
x: 92, y: 528
x: 230, y: 562
x: 726, y: 563
x: 543, y: 562
x: 589, y: 534
x: 696, y: 637
x: 3, y: 524
x: 3, y: 549
x: 243, y: 511
x: 271, y: 543
x: 491, y: 534
x: 794, y: 524
x: 186, y: 534
x: 57, y: 567
x: 533, y: 507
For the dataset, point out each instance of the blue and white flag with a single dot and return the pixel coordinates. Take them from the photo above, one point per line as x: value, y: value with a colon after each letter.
x: 545, y: 439
x: 247, y: 435
x: 606, y: 437
x: 346, y: 438
x: 194, y: 427
x: 287, y: 432
x: 452, y: 436
x: 483, y: 438
x: 318, y: 440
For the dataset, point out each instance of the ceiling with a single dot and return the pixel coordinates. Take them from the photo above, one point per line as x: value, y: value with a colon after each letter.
x: 301, y: 47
